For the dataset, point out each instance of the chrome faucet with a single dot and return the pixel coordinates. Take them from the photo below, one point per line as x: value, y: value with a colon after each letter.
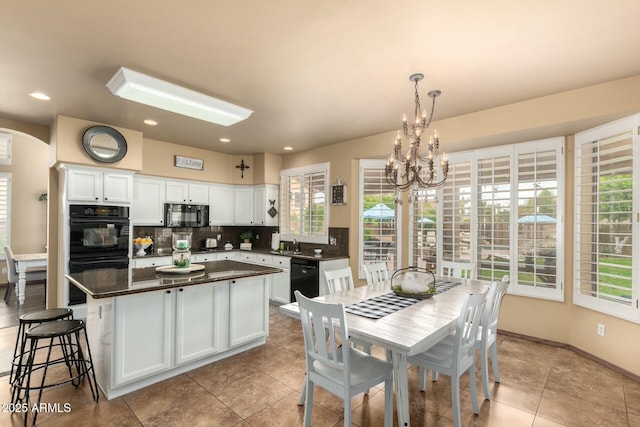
x: 296, y: 246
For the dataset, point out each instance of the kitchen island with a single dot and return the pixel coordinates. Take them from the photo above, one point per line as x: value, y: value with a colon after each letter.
x: 145, y: 326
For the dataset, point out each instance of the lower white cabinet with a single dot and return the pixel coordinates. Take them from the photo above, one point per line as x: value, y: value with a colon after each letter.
x: 281, y: 282
x: 139, y: 339
x: 201, y: 321
x: 248, y: 310
x: 143, y: 335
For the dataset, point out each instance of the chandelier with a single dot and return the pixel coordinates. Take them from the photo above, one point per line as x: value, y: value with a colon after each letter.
x: 415, y: 169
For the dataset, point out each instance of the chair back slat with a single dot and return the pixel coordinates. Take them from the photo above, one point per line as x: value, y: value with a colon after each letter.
x: 496, y: 301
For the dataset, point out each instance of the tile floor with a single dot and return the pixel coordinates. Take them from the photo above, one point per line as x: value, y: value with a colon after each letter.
x: 541, y: 386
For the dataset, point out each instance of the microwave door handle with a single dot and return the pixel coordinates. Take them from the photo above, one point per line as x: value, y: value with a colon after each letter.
x: 198, y: 216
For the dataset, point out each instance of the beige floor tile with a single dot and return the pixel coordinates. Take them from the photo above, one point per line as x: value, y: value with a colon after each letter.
x: 543, y: 422
x: 251, y: 394
x: 200, y: 410
x: 286, y: 412
x: 634, y: 420
x: 632, y: 400
x: 575, y: 412
x: 163, y: 396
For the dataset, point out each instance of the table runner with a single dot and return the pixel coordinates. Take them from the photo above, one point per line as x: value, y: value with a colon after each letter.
x: 383, y: 305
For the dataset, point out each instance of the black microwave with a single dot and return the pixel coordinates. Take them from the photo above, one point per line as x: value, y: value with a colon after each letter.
x: 185, y: 215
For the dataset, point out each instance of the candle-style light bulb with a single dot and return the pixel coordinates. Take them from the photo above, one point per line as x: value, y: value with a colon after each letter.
x: 404, y: 118
x: 436, y: 136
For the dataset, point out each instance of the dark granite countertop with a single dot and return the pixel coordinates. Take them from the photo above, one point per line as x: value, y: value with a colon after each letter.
x: 110, y: 282
x: 291, y: 254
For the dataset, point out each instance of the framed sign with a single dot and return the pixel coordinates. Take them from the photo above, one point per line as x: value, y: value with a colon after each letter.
x: 189, y: 163
x: 339, y: 194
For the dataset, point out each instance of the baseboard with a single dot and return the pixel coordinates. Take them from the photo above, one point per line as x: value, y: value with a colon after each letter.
x: 579, y: 351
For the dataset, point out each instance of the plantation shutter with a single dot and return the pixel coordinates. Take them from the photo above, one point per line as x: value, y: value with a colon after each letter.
x: 456, y: 213
x: 604, y: 226
x: 378, y: 217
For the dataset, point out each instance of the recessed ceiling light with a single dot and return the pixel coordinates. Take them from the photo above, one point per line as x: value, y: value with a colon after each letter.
x: 225, y: 140
x: 288, y: 148
x: 150, y: 122
x: 39, y: 95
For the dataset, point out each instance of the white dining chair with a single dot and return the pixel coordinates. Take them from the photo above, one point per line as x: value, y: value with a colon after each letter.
x: 376, y: 273
x: 339, y: 280
x: 487, y: 337
x: 455, y: 354
x: 340, y: 369
x: 458, y: 270
x: 12, y: 275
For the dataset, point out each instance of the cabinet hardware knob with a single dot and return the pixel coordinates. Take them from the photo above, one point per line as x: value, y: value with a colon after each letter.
x: 168, y: 292
x: 181, y: 289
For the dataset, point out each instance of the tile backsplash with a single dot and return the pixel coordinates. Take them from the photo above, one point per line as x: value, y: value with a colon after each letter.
x: 261, y: 238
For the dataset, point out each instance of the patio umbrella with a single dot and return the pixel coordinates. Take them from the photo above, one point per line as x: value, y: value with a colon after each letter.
x: 379, y: 211
x: 426, y: 221
x: 538, y: 218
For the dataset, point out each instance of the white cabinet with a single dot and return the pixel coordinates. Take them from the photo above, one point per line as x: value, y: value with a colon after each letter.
x: 248, y: 310
x: 221, y: 204
x: 230, y: 255
x: 187, y: 192
x: 148, y: 201
x: 211, y: 256
x: 156, y: 261
x: 97, y: 186
x: 201, y: 321
x: 247, y: 256
x: 143, y: 336
x: 281, y: 282
x: 265, y: 197
x: 243, y: 203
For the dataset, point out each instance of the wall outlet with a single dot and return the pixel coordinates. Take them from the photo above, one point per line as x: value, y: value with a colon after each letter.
x: 601, y: 329
x: 332, y: 241
x: 219, y: 236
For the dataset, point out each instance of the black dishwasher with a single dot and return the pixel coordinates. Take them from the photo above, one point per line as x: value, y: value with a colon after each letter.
x: 304, y: 278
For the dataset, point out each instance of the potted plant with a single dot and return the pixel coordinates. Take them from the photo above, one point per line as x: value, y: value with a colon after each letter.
x: 246, y: 236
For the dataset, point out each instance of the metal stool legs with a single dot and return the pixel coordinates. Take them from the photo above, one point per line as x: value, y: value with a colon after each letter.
x: 67, y: 333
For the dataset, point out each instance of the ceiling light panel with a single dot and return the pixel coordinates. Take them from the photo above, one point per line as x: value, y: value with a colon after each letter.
x: 157, y: 93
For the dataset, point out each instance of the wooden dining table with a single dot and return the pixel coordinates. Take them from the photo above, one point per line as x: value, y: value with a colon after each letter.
x: 24, y: 263
x: 406, y: 332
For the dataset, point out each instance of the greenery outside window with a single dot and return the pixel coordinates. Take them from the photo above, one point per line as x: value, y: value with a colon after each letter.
x: 304, y: 208
x: 607, y: 257
x: 379, y: 228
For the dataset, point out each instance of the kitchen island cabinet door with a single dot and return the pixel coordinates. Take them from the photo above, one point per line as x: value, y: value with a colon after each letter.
x: 201, y: 321
x: 248, y: 310
x: 143, y: 335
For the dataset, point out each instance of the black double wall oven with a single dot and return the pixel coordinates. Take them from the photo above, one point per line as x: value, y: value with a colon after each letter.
x: 99, y: 238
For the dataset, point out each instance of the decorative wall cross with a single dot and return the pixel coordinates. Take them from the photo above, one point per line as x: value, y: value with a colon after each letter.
x: 242, y: 167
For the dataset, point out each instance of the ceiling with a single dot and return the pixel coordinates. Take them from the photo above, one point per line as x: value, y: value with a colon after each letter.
x: 313, y: 72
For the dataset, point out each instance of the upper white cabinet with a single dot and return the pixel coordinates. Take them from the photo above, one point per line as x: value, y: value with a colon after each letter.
x: 243, y: 212
x: 186, y: 192
x: 221, y: 204
x: 265, y: 197
x: 97, y: 186
x: 148, y: 201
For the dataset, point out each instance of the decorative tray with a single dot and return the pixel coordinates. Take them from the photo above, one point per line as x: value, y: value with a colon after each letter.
x: 417, y: 295
x: 179, y: 270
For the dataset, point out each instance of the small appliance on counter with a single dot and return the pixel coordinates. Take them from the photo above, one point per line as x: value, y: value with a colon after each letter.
x: 228, y: 246
x: 210, y: 243
x: 181, y: 256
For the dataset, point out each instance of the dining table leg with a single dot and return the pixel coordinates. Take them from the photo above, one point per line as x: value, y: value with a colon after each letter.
x: 401, y: 385
x: 22, y: 285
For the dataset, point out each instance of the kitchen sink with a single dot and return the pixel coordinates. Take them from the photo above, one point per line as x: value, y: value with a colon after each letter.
x: 286, y: 252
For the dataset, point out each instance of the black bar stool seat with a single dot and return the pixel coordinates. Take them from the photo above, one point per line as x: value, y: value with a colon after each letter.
x: 79, y: 366
x: 26, y: 321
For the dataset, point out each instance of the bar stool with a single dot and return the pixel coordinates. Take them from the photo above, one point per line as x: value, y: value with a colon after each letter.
x: 26, y: 321
x: 68, y: 334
